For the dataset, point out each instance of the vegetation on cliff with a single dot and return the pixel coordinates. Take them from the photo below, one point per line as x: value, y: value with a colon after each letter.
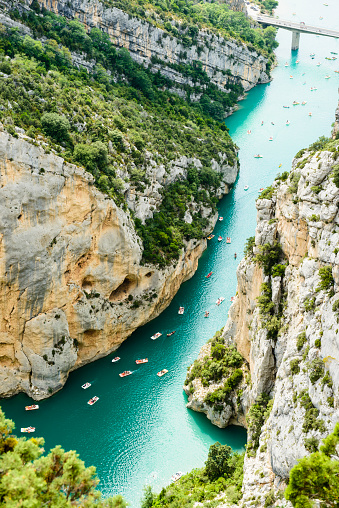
x: 221, y: 477
x: 116, y: 120
x: 29, y: 478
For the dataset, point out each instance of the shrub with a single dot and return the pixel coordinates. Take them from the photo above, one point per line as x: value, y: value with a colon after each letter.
x: 301, y: 340
x: 309, y: 304
x: 270, y: 499
x: 316, y: 370
x: 294, y: 181
x: 326, y: 279
x: 335, y: 174
x: 317, y: 343
x: 255, y: 418
x: 335, y: 306
x: 311, y: 444
x: 56, y: 126
x: 218, y: 461
x: 250, y: 243
x: 269, y: 256
x: 294, y: 365
x: 278, y: 270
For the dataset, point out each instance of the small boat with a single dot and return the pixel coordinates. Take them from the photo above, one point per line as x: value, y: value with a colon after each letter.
x: 210, y: 237
x: 208, y: 275
x: 232, y: 298
x: 181, y: 310
x: 31, y: 408
x: 144, y: 360
x: 228, y: 239
x: 321, y: 17
x: 333, y: 58
x: 327, y: 77
x: 295, y: 103
x: 116, y: 359
x: 288, y: 122
x: 279, y: 165
x: 304, y: 102
x: 333, y: 53
x: 318, y: 64
x: 261, y: 189
x: 286, y: 64
x: 291, y: 77
x: 93, y: 400
x: 27, y: 429
x: 246, y: 187
x: 249, y: 132
x: 156, y: 335
x: 220, y: 300
x: 328, y: 58
x: 86, y: 385
x: 337, y: 72
x: 262, y: 122
x: 270, y: 139
x: 219, y: 238
x: 258, y: 156
x: 297, y: 61
x: 286, y: 107
x: 221, y: 219
x: 310, y: 114
x: 206, y: 313
x: 125, y: 373
x: 313, y: 88
x: 162, y: 372
x: 312, y: 55
x: 176, y: 476
x: 172, y: 333
x: 272, y: 123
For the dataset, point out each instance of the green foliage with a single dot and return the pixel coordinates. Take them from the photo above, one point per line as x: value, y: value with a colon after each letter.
x: 221, y: 395
x: 316, y: 189
x: 301, y: 340
x: 317, y: 370
x: 196, y: 487
x: 269, y: 256
x: 30, y: 479
x: 326, y: 279
x: 270, y: 499
x: 320, y: 144
x: 311, y: 444
x: 309, y: 304
x: 294, y: 180
x: 218, y: 461
x: 267, y: 5
x: 267, y: 193
x: 316, y: 477
x: 300, y: 153
x: 250, y: 243
x: 335, y: 306
x: 255, y: 418
x: 56, y: 126
x: 294, y: 365
x: 270, y: 321
x: 335, y: 174
x: 148, y: 497
x: 317, y: 343
x: 311, y: 421
x: 278, y: 270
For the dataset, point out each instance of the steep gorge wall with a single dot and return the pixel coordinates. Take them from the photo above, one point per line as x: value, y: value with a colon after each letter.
x: 299, y: 367
x: 145, y: 41
x: 69, y: 260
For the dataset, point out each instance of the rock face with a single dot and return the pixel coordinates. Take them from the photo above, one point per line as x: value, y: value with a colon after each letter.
x: 146, y: 42
x: 72, y: 286
x: 296, y: 364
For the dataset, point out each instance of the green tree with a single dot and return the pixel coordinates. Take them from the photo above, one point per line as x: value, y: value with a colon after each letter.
x: 218, y: 462
x: 56, y: 126
x: 316, y: 477
x: 60, y: 479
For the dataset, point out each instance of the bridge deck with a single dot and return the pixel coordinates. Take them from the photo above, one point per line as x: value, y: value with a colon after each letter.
x: 296, y: 27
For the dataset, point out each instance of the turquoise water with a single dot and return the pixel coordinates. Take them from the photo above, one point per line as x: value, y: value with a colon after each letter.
x: 140, y: 431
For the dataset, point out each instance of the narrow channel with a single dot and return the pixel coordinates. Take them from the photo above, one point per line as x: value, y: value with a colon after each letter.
x: 140, y: 431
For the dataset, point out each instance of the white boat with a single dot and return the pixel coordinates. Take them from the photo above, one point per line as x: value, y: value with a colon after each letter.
x: 176, y: 476
x: 93, y: 400
x: 116, y: 359
x: 221, y: 218
x: 162, y: 372
x: 246, y: 187
x: 156, y: 335
x: 30, y: 408
x: 144, y: 360
x: 27, y: 429
x: 219, y: 238
x: 228, y: 239
x: 257, y: 156
x: 181, y: 310
x: 125, y: 373
x: 86, y: 385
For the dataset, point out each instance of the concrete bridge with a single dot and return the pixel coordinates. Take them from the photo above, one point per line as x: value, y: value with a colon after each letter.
x: 296, y: 28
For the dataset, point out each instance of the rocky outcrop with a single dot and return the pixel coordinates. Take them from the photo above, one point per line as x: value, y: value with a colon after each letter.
x: 290, y: 336
x: 147, y: 42
x: 72, y: 286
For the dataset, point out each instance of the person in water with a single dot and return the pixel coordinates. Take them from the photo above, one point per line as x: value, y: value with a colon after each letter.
x: 235, y: 255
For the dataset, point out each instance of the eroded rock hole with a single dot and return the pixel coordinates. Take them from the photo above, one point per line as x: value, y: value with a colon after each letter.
x: 122, y: 291
x: 87, y: 283
x: 149, y: 274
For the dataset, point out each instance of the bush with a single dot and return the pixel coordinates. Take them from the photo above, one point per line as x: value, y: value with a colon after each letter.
x: 218, y: 461
x: 317, y: 343
x: 301, y: 340
x: 294, y: 181
x: 326, y: 279
x: 255, y: 418
x: 311, y: 444
x: 56, y: 126
x: 270, y: 499
x: 250, y: 243
x: 316, y: 370
x: 335, y: 306
x: 269, y: 256
x: 294, y: 365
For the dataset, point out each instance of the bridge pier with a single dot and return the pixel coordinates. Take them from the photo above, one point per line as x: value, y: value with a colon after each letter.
x: 295, y: 40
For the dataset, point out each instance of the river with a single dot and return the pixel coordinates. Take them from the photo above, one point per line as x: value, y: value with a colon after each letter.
x: 140, y: 431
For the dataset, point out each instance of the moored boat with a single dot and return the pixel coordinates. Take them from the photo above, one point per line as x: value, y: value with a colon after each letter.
x: 27, y: 429
x: 219, y: 238
x: 86, y: 385
x: 221, y: 218
x: 220, y: 300
x: 116, y: 359
x: 125, y: 373
x: 232, y: 298
x: 93, y: 400
x: 176, y: 476
x: 210, y: 237
x: 287, y: 107
x: 181, y: 310
x: 246, y: 187
x: 295, y: 103
x: 156, y: 335
x: 172, y: 333
x: 304, y: 102
x: 162, y: 372
x: 228, y: 239
x: 270, y: 139
x: 143, y: 360
x: 310, y: 114
x: 327, y: 77
x: 208, y: 275
x: 206, y: 313
x: 258, y: 156
x: 261, y: 189
x: 287, y: 122
x: 32, y: 407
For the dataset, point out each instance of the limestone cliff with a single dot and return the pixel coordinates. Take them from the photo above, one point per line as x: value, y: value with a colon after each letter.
x: 284, y: 321
x: 146, y: 43
x: 72, y: 286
